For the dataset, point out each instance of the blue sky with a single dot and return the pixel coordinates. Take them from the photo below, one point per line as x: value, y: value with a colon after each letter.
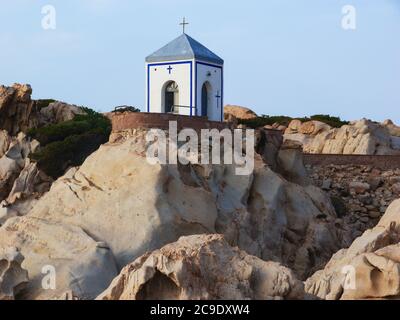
x: 281, y: 56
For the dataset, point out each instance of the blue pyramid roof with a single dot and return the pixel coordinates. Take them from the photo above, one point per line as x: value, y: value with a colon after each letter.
x: 184, y: 47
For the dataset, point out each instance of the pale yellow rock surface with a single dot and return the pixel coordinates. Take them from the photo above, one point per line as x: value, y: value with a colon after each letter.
x: 118, y: 199
x: 13, y: 278
x: 393, y: 128
x: 238, y: 112
x: 314, y: 127
x: 17, y: 109
x: 135, y: 207
x: 19, y: 113
x: 359, y: 137
x: 203, y: 267
x: 58, y: 112
x: 80, y: 263
x: 21, y: 182
x: 13, y: 161
x: 369, y: 269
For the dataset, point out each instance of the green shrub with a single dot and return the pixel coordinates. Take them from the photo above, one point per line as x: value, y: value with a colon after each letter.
x: 335, y: 122
x: 70, y: 143
x: 79, y: 125
x: 125, y: 109
x: 43, y: 103
x: 267, y: 120
x: 264, y: 120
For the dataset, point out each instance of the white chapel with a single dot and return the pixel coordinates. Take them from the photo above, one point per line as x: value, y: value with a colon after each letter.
x: 185, y: 78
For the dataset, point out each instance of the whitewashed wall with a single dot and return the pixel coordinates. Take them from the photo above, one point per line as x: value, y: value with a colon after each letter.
x: 159, y: 77
x: 215, y: 80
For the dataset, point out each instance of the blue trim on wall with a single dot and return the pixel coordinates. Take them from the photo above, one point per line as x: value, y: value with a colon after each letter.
x: 191, y: 88
x: 148, y: 89
x: 168, y: 64
x: 195, y: 92
x: 222, y: 85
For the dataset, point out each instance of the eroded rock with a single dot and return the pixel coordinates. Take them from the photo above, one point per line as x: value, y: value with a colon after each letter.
x: 238, y: 113
x: 13, y: 277
x: 369, y: 269
x: 59, y: 258
x: 17, y: 109
x: 136, y: 207
x: 359, y: 137
x: 203, y: 267
x: 58, y: 112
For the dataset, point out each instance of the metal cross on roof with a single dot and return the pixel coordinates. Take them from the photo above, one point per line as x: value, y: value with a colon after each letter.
x: 184, y: 24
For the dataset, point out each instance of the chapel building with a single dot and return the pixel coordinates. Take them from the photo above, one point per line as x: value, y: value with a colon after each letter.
x: 185, y: 78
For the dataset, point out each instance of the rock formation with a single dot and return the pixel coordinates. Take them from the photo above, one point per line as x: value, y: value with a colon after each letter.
x: 393, y: 129
x: 275, y: 126
x: 222, y: 236
x: 19, y: 113
x: 21, y: 182
x: 369, y: 269
x: 359, y: 137
x: 14, y: 160
x: 232, y: 113
x: 58, y: 112
x: 27, y: 188
x: 17, y: 110
x: 203, y: 267
x: 13, y: 277
x: 136, y: 207
x: 59, y: 258
x: 361, y: 194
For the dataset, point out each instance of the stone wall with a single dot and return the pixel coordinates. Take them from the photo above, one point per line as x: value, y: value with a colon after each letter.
x: 125, y: 121
x: 380, y: 162
x: 360, y: 193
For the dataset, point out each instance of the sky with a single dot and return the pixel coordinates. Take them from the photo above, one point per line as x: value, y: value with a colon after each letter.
x: 282, y: 57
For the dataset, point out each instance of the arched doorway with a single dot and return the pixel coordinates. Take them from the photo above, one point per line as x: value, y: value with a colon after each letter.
x: 171, y: 96
x: 205, y: 99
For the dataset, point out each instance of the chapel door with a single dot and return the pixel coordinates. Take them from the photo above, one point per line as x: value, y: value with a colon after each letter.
x: 169, y: 101
x: 171, y: 96
x: 204, y: 101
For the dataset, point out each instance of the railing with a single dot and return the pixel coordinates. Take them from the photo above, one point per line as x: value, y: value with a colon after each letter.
x: 122, y: 109
x: 176, y: 108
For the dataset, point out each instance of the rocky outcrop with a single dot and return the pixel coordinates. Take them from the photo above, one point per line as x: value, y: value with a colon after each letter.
x: 361, y: 194
x: 307, y: 128
x: 19, y: 113
x: 290, y: 163
x: 13, y: 277
x: 17, y: 110
x: 232, y: 113
x: 276, y: 126
x: 21, y: 182
x: 14, y: 160
x: 359, y: 137
x: 58, y: 112
x: 27, y: 188
x: 59, y: 258
x: 268, y: 145
x: 369, y: 269
x: 203, y: 267
x: 5, y: 141
x: 119, y: 198
x: 393, y: 129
